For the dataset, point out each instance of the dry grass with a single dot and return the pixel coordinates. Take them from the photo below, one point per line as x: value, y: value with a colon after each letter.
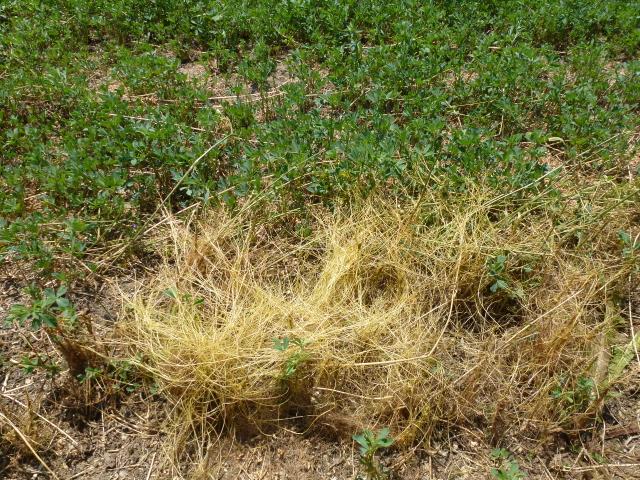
x: 390, y: 316
x: 24, y: 435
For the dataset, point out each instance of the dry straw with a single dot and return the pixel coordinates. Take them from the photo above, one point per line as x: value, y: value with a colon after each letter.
x: 469, y: 310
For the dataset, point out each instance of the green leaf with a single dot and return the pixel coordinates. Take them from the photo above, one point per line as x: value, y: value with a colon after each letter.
x: 621, y: 359
x: 498, y: 285
x: 49, y: 320
x: 362, y: 438
x: 171, y: 293
x: 18, y: 313
x: 280, y: 344
x: 385, y: 442
x: 625, y: 237
x: 499, y: 453
x: 63, y: 302
x: 383, y: 438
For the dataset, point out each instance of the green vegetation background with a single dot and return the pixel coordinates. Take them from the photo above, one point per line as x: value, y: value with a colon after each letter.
x: 378, y: 93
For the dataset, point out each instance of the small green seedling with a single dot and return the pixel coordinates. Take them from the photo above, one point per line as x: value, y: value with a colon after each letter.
x: 578, y: 398
x: 124, y: 374
x: 186, y: 298
x: 599, y: 458
x: 370, y: 443
x: 52, y: 311
x: 90, y: 373
x: 508, y: 468
x: 629, y: 245
x: 46, y: 310
x: 295, y: 359
x: 496, y: 267
x: 39, y: 362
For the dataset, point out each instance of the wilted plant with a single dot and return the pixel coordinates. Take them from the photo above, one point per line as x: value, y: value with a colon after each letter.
x: 392, y: 311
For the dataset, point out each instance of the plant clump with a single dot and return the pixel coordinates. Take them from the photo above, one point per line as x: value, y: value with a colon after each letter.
x: 493, y: 312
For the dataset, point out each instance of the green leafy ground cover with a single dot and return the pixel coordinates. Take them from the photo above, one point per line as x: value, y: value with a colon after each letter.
x: 311, y: 101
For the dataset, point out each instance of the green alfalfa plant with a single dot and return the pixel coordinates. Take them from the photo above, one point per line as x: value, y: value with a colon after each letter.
x: 295, y: 358
x: 575, y: 398
x: 630, y: 245
x: 31, y: 363
x: 48, y: 309
x: 496, y: 270
x: 507, y: 467
x: 370, y: 443
x: 51, y: 310
x: 292, y: 377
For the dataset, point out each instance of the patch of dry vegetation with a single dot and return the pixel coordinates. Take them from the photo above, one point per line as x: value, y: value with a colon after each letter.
x: 494, y: 313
